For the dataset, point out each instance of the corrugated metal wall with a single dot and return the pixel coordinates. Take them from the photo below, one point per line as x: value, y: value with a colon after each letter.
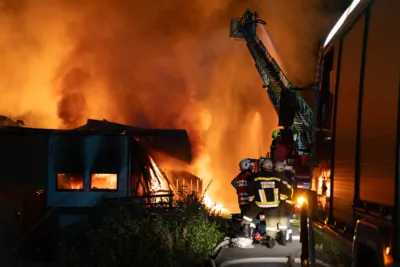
x: 380, y: 104
x: 346, y: 123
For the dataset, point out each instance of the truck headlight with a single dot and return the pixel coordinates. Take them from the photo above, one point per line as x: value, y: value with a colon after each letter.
x: 300, y: 201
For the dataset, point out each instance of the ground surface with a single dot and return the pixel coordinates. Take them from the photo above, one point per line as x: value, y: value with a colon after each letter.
x: 262, y: 251
x: 259, y: 251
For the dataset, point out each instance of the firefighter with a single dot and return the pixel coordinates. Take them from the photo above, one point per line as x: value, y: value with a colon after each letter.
x: 275, y: 137
x: 275, y: 134
x: 248, y: 16
x: 240, y: 183
x: 264, y: 191
x: 286, y: 205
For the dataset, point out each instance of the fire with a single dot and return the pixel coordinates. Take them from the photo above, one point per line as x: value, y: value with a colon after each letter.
x: 159, y: 185
x: 213, y: 206
x: 104, y: 181
x: 324, y: 180
x: 202, y: 168
x: 67, y: 181
x: 70, y: 61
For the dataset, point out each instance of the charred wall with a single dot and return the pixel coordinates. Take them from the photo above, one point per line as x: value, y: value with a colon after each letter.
x: 23, y: 158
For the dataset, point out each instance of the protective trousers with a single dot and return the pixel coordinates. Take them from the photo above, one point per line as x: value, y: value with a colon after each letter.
x: 243, y: 209
x: 276, y: 220
x: 250, y: 213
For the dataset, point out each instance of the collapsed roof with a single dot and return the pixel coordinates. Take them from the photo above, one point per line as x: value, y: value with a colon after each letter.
x: 172, y: 142
x: 5, y: 121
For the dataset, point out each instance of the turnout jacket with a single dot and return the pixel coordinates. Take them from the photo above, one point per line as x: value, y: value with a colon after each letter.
x: 240, y: 182
x: 287, y: 184
x: 268, y: 188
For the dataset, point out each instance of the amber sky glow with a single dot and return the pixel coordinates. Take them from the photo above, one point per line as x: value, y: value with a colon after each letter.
x: 149, y: 64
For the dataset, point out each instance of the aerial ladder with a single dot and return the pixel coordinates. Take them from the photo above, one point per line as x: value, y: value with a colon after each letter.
x: 283, y: 94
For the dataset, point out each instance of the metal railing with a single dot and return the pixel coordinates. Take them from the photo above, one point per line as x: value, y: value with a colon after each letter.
x: 156, y: 200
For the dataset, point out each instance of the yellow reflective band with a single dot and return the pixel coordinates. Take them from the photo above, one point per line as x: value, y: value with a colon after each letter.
x: 251, y: 198
x: 263, y: 195
x: 267, y: 202
x: 267, y: 179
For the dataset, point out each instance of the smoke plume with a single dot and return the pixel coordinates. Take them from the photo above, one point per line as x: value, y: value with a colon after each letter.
x: 160, y: 64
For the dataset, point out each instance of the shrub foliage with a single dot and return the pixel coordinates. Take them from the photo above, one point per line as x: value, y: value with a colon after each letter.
x: 122, y: 233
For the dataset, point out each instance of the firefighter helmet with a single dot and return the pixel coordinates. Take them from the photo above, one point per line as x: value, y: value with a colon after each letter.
x: 280, y: 166
x: 267, y: 164
x: 275, y: 134
x: 245, y: 164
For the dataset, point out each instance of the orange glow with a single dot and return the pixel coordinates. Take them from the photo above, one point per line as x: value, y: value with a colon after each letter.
x: 324, y: 178
x: 69, y: 181
x: 214, y: 206
x: 387, y: 258
x: 104, y: 181
x: 387, y: 250
x: 159, y: 184
x: 73, y: 60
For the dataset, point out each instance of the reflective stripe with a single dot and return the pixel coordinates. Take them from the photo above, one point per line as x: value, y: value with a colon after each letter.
x: 247, y: 218
x: 251, y: 198
x: 276, y: 192
x: 267, y: 179
x: 282, y: 227
x: 264, y: 196
x: 241, y: 183
x: 288, y: 232
x: 252, y: 225
x: 261, y: 196
x: 271, y: 228
x: 264, y: 205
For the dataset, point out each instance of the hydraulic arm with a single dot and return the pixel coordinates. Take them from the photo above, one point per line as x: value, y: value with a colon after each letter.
x: 282, y: 93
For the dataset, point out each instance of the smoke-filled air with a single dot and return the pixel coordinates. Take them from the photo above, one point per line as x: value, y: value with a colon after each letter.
x: 156, y: 64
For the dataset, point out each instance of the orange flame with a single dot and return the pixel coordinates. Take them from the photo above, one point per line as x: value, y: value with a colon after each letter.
x: 159, y: 184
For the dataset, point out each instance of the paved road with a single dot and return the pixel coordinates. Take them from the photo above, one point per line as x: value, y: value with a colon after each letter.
x: 263, y: 251
x: 259, y: 251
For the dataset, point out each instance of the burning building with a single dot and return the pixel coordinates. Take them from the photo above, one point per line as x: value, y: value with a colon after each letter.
x: 64, y: 172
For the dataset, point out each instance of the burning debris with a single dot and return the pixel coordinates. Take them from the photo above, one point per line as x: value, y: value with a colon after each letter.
x: 5, y: 121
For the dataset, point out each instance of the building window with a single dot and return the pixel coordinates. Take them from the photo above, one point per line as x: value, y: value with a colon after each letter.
x: 104, y: 181
x: 69, y: 181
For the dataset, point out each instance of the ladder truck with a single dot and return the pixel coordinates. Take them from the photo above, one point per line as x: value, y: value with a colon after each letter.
x: 352, y: 131
x: 292, y: 109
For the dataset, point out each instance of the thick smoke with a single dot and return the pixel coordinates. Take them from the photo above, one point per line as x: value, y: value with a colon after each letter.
x: 72, y: 105
x: 160, y: 64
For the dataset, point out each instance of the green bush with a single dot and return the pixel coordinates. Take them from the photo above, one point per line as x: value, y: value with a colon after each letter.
x: 122, y: 234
